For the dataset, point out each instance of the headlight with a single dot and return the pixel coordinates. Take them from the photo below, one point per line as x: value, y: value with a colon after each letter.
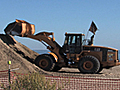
x: 110, y: 56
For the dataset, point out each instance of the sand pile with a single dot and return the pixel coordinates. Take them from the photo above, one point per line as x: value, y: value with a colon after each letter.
x: 17, y: 53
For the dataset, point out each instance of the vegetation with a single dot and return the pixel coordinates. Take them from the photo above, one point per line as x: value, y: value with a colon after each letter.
x: 33, y: 81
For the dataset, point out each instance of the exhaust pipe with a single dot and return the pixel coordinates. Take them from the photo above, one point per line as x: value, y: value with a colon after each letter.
x: 20, y: 28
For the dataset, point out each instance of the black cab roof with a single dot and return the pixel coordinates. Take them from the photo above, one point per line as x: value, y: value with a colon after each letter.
x: 74, y: 34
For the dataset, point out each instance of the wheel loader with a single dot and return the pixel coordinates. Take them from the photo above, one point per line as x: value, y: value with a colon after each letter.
x: 76, y: 52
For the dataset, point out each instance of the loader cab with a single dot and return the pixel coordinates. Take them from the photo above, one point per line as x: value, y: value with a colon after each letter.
x: 73, y: 43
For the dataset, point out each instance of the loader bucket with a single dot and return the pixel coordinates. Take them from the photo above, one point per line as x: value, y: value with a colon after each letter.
x: 20, y: 28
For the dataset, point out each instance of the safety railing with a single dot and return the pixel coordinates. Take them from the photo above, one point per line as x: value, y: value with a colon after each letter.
x: 70, y: 83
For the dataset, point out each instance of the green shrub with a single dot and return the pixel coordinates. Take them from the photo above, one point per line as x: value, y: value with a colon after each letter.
x: 33, y: 81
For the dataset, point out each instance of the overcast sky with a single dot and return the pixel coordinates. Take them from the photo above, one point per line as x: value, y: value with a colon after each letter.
x: 60, y: 16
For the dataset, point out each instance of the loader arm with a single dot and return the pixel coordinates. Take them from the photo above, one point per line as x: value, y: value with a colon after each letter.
x: 24, y: 29
x: 50, y: 43
x: 44, y: 36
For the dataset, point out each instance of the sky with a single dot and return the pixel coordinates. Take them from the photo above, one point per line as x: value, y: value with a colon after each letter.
x: 60, y: 16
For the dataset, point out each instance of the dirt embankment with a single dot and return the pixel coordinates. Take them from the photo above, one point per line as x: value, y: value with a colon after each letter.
x: 17, y: 53
x: 22, y: 58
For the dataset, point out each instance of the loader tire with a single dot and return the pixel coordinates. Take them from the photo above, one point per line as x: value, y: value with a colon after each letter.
x: 101, y: 68
x: 89, y: 65
x: 45, y: 62
x: 56, y: 67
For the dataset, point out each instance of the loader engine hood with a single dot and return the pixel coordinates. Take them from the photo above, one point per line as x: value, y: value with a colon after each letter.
x: 97, y: 48
x: 20, y: 28
x: 106, y: 51
x: 109, y: 55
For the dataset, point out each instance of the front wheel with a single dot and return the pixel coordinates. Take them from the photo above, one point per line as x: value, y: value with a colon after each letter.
x: 89, y: 65
x: 45, y: 62
x: 56, y: 67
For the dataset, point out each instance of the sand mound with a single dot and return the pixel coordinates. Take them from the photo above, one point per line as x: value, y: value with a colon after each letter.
x: 17, y: 53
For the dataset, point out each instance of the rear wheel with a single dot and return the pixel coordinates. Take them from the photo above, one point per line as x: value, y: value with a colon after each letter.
x: 89, y: 65
x: 45, y: 62
x: 101, y: 68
